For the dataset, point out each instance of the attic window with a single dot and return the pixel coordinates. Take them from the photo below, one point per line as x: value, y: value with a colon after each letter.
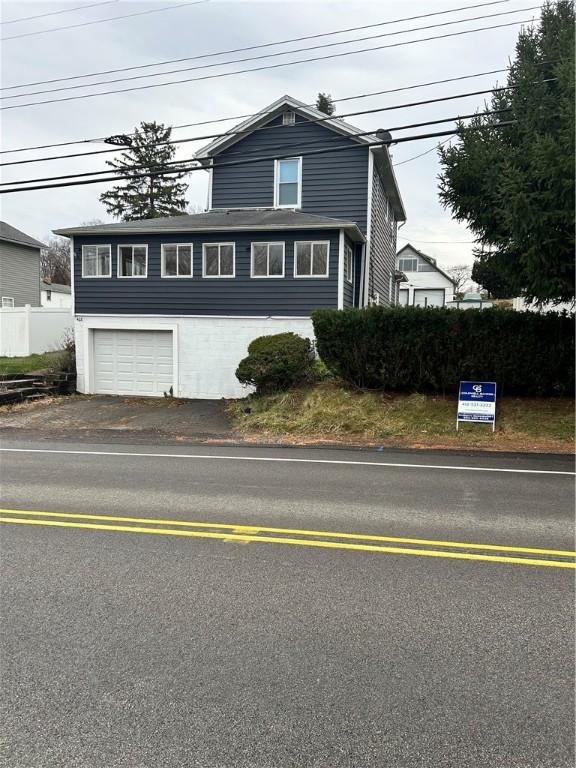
x: 288, y: 118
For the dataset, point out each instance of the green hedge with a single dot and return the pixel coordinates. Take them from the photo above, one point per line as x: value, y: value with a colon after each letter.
x: 277, y: 362
x: 412, y: 349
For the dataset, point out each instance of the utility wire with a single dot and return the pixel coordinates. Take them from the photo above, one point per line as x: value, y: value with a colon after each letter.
x: 438, y: 242
x: 103, y: 21
x: 267, y: 55
x: 301, y: 146
x: 258, y: 114
x: 436, y: 146
x: 268, y: 66
x: 247, y: 131
x: 379, y: 143
x: 256, y: 47
x: 56, y: 13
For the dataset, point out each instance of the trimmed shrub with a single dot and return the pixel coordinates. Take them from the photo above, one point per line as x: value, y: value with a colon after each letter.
x: 276, y: 363
x: 412, y: 349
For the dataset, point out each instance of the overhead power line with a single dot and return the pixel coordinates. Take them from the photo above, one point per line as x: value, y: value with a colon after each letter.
x: 266, y: 55
x: 438, y: 242
x: 301, y: 146
x: 258, y: 114
x: 254, y: 160
x: 246, y: 131
x: 269, y: 66
x: 57, y: 13
x: 258, y: 46
x: 427, y: 152
x: 104, y: 21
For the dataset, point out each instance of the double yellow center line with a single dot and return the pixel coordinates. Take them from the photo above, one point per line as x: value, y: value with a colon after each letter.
x: 554, y: 558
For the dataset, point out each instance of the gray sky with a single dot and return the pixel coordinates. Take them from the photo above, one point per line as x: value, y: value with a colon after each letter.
x: 220, y: 25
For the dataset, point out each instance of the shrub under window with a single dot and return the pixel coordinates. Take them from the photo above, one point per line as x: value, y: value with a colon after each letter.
x: 278, y: 362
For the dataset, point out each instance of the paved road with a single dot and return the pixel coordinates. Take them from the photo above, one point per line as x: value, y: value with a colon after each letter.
x: 127, y: 649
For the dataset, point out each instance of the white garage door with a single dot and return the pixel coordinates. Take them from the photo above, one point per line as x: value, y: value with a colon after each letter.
x: 429, y: 297
x: 133, y: 362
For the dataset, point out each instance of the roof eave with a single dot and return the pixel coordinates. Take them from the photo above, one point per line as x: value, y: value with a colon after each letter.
x: 382, y: 155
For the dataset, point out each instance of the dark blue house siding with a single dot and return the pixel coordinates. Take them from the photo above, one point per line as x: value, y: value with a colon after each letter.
x: 333, y: 184
x: 241, y: 295
x: 349, y: 287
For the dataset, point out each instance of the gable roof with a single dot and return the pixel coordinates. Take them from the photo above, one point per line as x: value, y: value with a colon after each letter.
x: 427, y: 258
x: 258, y: 120
x: 222, y: 220
x: 56, y: 287
x: 12, y: 235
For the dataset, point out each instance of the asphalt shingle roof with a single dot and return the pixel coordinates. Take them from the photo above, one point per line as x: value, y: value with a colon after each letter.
x: 222, y: 220
x: 13, y: 235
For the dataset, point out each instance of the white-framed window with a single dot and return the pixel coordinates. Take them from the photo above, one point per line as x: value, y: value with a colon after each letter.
x: 218, y: 259
x: 403, y: 295
x: 348, y: 264
x: 311, y: 258
x: 7, y: 302
x: 177, y: 259
x: 96, y: 261
x: 288, y: 118
x: 408, y: 265
x: 132, y: 260
x: 267, y: 260
x: 48, y: 295
x: 288, y: 183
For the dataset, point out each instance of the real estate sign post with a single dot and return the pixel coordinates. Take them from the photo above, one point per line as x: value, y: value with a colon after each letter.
x: 477, y: 402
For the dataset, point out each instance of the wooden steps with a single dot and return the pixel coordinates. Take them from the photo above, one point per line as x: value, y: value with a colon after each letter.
x: 17, y: 387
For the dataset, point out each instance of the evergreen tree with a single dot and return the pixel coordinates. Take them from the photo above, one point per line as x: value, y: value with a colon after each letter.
x: 151, y: 195
x: 325, y: 103
x: 491, y: 275
x: 514, y: 186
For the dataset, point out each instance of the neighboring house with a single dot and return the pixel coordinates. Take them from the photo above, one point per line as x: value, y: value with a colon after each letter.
x: 307, y: 219
x: 521, y: 305
x: 19, y: 268
x: 55, y: 295
x: 470, y: 301
x: 426, y: 285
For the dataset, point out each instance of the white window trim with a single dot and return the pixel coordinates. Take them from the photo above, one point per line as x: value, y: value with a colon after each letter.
x: 100, y: 245
x: 163, y: 261
x: 131, y: 245
x: 7, y: 306
x: 312, y: 277
x: 407, y: 258
x: 349, y: 250
x: 298, y: 203
x: 289, y: 117
x: 218, y: 277
x: 268, y: 277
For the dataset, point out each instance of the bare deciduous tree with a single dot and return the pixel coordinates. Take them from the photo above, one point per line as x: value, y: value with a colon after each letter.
x: 461, y: 275
x: 55, y: 260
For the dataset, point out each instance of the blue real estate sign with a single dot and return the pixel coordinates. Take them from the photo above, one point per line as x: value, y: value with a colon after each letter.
x: 477, y: 402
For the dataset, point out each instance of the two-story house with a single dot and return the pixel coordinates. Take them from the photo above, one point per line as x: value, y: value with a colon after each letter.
x: 302, y: 215
x: 426, y: 285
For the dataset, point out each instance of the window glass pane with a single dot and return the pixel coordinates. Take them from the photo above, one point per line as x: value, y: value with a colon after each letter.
x: 288, y: 170
x: 184, y: 260
x: 139, y: 261
x: 260, y: 267
x: 125, y: 260
x: 211, y: 260
x: 226, y: 260
x: 276, y: 259
x: 320, y: 260
x: 303, y: 258
x: 103, y: 267
x: 170, y: 264
x: 89, y: 260
x: 288, y: 194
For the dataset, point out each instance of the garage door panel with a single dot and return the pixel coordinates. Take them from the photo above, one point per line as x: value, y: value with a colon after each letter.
x: 138, y: 362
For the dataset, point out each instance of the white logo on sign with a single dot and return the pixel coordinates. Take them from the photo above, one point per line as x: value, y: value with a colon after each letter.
x: 477, y: 388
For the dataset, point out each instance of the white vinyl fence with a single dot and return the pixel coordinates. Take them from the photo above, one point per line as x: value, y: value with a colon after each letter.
x: 32, y: 330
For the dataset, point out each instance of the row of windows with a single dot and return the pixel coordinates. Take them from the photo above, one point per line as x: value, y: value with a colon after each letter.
x: 218, y: 260
x: 413, y: 265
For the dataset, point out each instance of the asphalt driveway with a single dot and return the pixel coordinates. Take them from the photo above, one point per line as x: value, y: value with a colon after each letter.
x: 130, y: 417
